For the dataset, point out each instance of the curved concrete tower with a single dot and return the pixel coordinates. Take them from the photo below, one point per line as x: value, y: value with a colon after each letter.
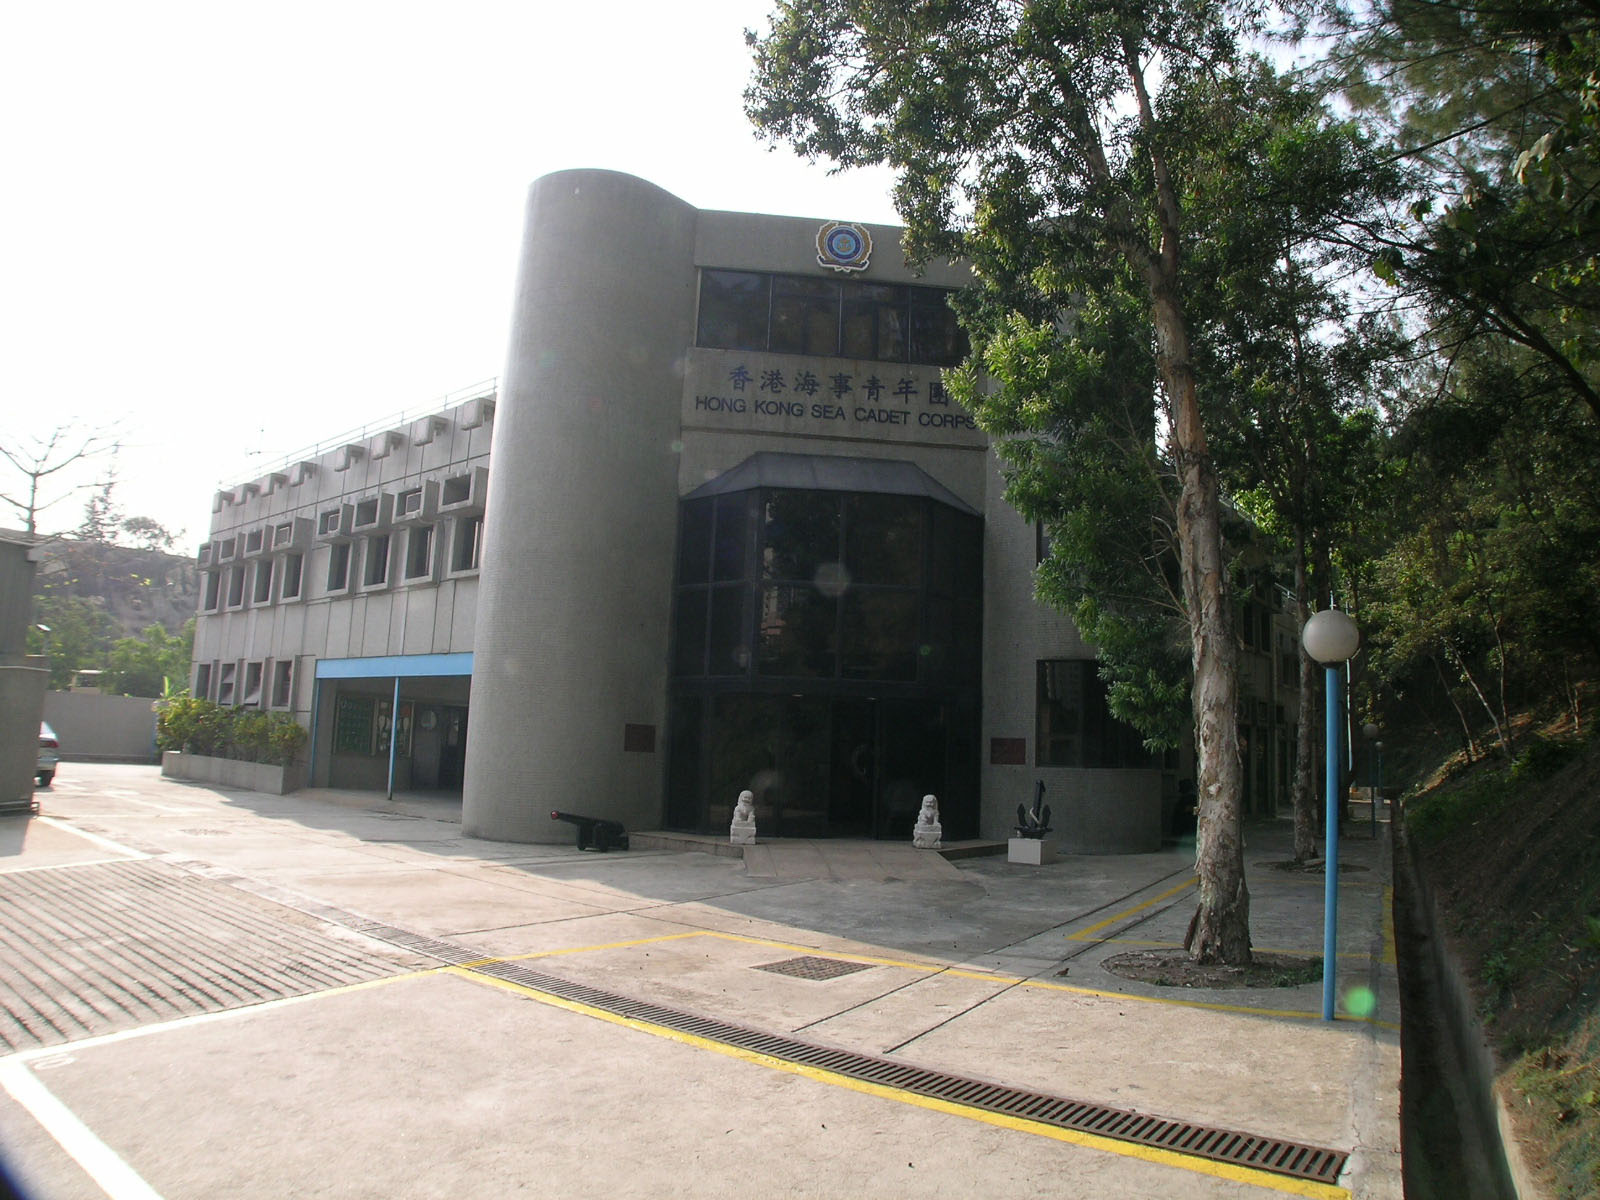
x: 570, y: 652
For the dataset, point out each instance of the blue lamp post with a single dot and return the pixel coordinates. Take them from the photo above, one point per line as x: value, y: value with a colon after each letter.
x: 1374, y: 771
x: 1331, y: 638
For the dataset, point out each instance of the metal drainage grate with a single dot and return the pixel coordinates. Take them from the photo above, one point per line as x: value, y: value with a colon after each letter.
x: 1274, y: 1155
x: 810, y: 966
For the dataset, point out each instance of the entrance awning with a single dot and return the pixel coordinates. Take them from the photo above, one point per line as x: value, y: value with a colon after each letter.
x: 395, y: 666
x: 831, y: 473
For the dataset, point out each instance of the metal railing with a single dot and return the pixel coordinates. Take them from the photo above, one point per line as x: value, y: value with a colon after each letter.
x: 259, y: 465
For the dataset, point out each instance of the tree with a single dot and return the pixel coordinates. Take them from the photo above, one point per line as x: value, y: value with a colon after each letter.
x: 147, y: 665
x: 1277, y: 191
x: 39, y: 460
x: 1487, y: 594
x: 1500, y: 106
x: 73, y: 632
x: 1032, y: 140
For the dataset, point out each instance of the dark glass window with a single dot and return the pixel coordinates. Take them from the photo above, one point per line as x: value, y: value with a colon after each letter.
x: 730, y: 639
x: 733, y: 310
x: 936, y: 335
x: 883, y: 540
x: 689, y: 633
x: 880, y: 635
x: 798, y: 633
x: 292, y: 566
x: 694, y: 542
x: 1074, y: 725
x: 875, y: 316
x: 781, y: 583
x: 955, y: 553
x: 805, y: 315
x: 800, y: 532
x: 377, y: 561
x: 732, y: 533
x: 339, y: 566
x: 419, y: 551
x: 468, y: 547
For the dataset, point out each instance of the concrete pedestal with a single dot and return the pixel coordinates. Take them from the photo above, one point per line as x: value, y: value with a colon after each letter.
x: 1035, y: 852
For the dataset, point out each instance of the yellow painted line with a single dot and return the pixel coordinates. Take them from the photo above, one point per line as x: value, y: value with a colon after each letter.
x: 1390, y: 957
x: 666, y: 937
x: 969, y: 973
x: 1354, y: 955
x: 1086, y: 935
x: 1295, y: 1187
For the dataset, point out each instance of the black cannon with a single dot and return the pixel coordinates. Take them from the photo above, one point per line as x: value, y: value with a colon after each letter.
x: 596, y: 832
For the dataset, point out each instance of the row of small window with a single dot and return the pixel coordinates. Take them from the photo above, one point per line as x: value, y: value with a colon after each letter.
x: 257, y: 683
x: 426, y: 501
x: 365, y: 564
x: 828, y: 318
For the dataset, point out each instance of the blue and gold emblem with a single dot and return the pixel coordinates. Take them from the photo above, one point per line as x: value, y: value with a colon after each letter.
x: 843, y: 247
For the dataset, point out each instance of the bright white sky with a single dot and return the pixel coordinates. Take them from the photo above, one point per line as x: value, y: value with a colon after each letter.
x: 234, y: 229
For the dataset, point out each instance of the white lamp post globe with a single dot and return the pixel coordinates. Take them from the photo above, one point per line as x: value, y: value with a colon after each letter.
x: 1330, y: 637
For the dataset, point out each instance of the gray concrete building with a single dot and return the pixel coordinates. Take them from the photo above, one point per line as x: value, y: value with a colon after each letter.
x: 719, y: 527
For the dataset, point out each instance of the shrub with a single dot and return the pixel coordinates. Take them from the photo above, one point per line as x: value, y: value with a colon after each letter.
x: 1542, y: 759
x: 203, y: 727
x: 285, y: 738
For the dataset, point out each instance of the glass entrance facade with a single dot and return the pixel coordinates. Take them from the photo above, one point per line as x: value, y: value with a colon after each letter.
x: 826, y: 657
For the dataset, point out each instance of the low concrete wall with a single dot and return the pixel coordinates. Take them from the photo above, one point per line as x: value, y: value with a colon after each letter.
x: 1097, y: 811
x: 94, y: 727
x: 232, y: 773
x: 1471, y: 1069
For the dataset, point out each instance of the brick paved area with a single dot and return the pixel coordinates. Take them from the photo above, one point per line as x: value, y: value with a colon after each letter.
x: 92, y: 949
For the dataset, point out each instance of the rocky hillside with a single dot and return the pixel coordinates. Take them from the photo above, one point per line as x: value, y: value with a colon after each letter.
x: 136, y: 587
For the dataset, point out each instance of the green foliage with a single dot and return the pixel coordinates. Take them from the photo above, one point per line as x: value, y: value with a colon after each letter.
x: 1502, y: 105
x: 1447, y: 812
x: 1498, y: 970
x: 142, y: 666
x: 1487, y: 592
x: 78, y: 636
x: 1542, y: 758
x: 1074, y: 426
x: 197, y: 726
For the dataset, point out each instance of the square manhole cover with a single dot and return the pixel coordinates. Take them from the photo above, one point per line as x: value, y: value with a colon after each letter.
x: 809, y: 966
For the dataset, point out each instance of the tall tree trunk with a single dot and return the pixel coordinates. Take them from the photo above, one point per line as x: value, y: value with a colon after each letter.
x: 1220, y: 930
x: 1469, y: 742
x: 1459, y: 662
x: 1305, y: 755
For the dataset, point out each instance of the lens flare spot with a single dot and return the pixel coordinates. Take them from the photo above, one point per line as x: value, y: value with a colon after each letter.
x: 1360, y: 1002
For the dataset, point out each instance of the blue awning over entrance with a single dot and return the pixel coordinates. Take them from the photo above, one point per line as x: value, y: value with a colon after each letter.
x: 392, y: 666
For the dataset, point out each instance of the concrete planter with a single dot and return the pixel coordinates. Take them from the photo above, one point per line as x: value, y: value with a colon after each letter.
x: 232, y: 773
x: 1035, y: 852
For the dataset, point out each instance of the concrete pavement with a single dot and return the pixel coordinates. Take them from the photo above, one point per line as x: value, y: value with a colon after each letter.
x: 227, y: 993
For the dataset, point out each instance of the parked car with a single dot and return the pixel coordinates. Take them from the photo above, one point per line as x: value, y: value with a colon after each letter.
x: 49, y: 754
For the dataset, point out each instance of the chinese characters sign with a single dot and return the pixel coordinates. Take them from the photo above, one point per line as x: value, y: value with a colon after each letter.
x: 783, y: 394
